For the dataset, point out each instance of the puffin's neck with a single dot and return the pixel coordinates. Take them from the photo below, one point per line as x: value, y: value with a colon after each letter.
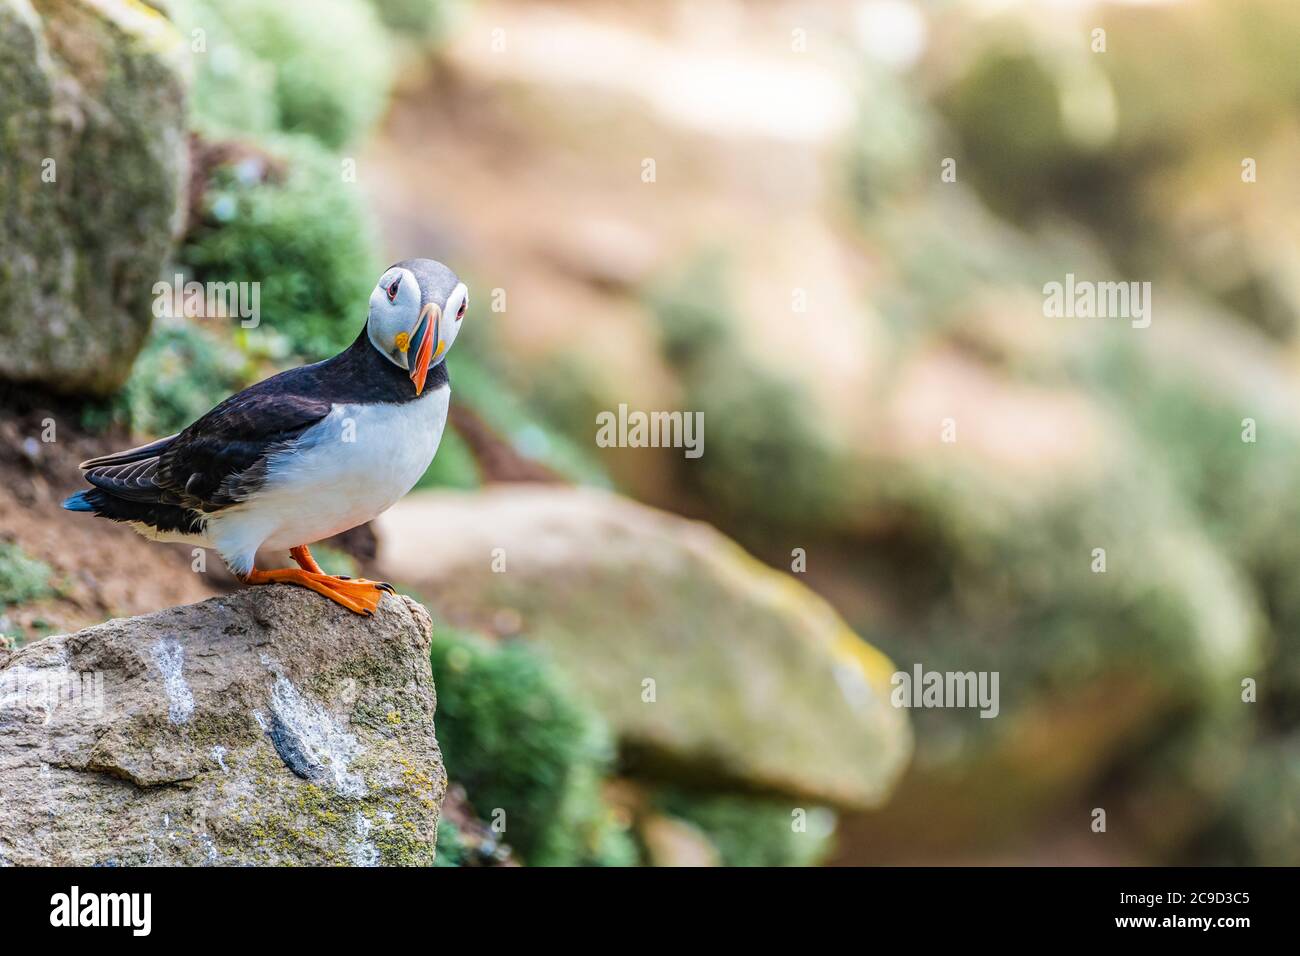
x: 360, y: 373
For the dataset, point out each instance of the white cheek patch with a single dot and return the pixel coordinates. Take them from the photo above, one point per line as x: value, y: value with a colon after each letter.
x: 389, y: 325
x: 451, y: 325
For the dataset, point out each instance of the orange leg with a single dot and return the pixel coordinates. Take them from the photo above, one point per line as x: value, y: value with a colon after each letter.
x: 302, y: 557
x: 360, y: 597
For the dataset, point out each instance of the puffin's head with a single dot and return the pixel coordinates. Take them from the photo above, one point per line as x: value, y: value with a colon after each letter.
x: 415, y: 313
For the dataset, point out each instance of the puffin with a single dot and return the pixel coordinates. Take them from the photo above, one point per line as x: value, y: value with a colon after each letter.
x: 305, y: 454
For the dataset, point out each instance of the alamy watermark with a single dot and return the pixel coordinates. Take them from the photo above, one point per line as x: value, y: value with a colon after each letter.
x: 635, y: 429
x: 1084, y: 299
x: 956, y: 689
x: 47, y: 690
x: 133, y: 911
x: 209, y: 300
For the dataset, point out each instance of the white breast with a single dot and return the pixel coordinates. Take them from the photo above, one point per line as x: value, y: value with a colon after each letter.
x: 352, y: 466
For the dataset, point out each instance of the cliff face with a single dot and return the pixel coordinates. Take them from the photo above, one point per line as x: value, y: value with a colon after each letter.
x: 267, y: 727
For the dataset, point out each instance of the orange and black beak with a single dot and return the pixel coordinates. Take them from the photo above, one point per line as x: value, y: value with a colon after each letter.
x: 422, y: 345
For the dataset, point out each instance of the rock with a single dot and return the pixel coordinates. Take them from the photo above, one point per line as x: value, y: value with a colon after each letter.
x: 707, y: 664
x: 672, y: 842
x: 91, y: 170
x: 267, y: 727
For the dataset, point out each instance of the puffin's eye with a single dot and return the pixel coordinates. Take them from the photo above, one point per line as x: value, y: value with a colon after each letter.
x: 460, y: 313
x: 392, y: 289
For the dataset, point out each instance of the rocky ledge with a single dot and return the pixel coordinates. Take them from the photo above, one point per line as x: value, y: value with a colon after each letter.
x: 266, y: 727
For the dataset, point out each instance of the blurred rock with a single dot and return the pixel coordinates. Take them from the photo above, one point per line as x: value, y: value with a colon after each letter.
x: 670, y: 842
x: 91, y: 185
x: 268, y: 727
x: 708, y: 665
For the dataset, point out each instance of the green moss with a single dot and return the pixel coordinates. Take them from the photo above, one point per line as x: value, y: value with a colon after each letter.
x: 289, y: 222
x: 512, y: 734
x: 754, y: 831
x: 286, y: 819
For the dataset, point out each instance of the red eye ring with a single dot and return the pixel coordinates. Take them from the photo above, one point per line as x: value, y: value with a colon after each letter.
x: 392, y: 289
x: 460, y: 313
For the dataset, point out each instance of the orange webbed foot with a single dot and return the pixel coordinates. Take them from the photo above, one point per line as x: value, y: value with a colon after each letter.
x: 360, y: 597
x: 304, y: 559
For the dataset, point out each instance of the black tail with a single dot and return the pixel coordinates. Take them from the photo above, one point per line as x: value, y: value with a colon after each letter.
x: 158, y: 516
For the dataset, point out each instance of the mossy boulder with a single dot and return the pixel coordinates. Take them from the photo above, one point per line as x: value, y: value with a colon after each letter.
x: 709, y: 666
x: 92, y: 157
x: 268, y: 727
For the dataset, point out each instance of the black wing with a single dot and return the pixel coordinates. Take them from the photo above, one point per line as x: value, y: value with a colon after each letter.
x: 220, y: 459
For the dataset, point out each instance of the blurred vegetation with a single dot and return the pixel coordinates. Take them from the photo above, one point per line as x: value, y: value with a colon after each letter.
x: 317, y: 67
x: 288, y: 221
x: 513, y: 735
x: 417, y: 21
x: 453, y: 467
x: 482, y: 388
x: 753, y: 831
x: 452, y: 850
x: 793, y: 474
x: 22, y: 577
x: 182, y: 372
x: 335, y: 561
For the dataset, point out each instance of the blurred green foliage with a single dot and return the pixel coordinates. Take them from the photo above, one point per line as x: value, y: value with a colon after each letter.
x: 317, y: 67
x: 452, y: 850
x: 482, y: 389
x: 454, y: 465
x: 754, y: 831
x: 22, y: 577
x: 1259, y: 824
x: 514, y: 736
x: 792, y: 472
x: 288, y: 221
x: 335, y: 561
x: 180, y: 374
x: 416, y: 21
